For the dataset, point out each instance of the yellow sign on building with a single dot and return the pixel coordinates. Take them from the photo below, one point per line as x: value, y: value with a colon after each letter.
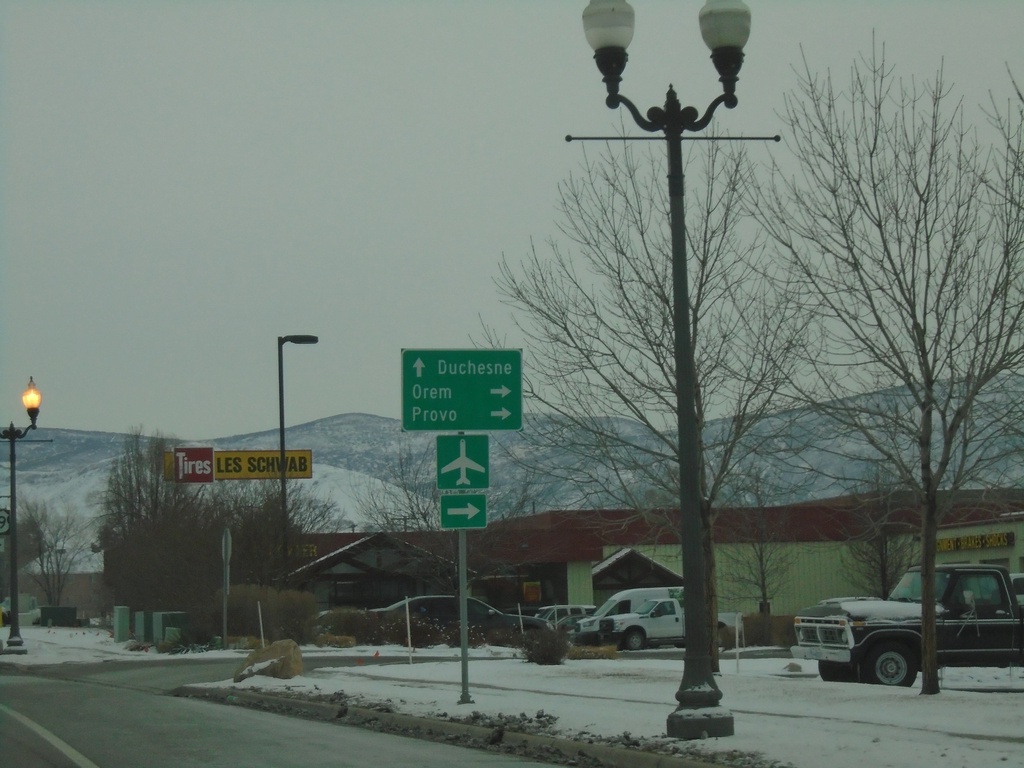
x: 253, y: 465
x: 977, y: 541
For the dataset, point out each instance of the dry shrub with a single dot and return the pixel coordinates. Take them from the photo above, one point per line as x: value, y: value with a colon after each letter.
x: 351, y: 622
x: 727, y: 637
x: 326, y: 640
x: 421, y: 633
x: 391, y: 630
x: 763, y: 630
x: 287, y: 614
x: 505, y: 637
x: 370, y: 628
x: 544, y: 646
x: 246, y: 643
x: 783, y: 631
x: 582, y: 652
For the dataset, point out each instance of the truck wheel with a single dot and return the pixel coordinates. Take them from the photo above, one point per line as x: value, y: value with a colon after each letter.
x: 834, y: 672
x: 634, y: 640
x: 890, y: 664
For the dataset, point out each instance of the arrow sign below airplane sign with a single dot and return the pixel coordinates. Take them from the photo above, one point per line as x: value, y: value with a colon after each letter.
x: 462, y: 390
x: 463, y: 510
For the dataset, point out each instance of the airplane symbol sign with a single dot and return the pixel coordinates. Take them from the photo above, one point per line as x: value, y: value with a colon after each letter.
x: 462, y: 462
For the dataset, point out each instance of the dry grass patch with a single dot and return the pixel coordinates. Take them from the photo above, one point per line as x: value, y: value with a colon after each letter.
x: 592, y: 652
x: 327, y: 640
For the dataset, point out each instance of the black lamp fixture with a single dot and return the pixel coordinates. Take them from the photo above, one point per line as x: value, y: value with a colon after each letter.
x: 725, y: 27
x: 31, y: 399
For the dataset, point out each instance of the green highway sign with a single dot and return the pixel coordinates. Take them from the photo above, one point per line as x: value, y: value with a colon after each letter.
x: 462, y: 390
x: 462, y: 462
x: 463, y: 510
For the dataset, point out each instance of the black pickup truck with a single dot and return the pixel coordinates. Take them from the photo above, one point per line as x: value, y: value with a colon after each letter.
x: 979, y: 623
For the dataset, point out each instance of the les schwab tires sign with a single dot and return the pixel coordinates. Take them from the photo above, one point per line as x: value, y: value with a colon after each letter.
x: 205, y: 465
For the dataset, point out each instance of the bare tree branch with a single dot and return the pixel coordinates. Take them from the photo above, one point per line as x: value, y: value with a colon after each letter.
x: 908, y: 260
x: 596, y: 316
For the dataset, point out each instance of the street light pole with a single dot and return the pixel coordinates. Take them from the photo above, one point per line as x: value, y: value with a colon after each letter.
x: 281, y: 341
x: 725, y: 27
x: 31, y: 400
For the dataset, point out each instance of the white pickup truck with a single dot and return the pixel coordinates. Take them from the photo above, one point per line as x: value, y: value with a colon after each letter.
x: 658, y: 621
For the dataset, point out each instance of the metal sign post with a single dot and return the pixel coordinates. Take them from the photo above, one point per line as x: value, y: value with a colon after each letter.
x: 463, y: 620
x: 225, y: 550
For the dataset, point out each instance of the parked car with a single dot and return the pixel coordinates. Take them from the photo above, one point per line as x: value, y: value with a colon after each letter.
x: 28, y: 610
x: 659, y: 621
x: 554, y: 613
x: 568, y: 624
x: 443, y: 610
x: 626, y: 601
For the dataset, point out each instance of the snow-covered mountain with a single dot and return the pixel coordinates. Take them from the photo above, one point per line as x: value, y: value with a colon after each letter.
x: 800, y: 457
x: 350, y: 451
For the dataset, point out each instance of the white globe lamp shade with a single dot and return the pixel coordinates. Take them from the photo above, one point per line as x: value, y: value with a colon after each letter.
x: 725, y: 24
x: 608, y: 24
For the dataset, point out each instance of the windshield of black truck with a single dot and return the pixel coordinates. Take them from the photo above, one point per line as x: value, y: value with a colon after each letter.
x: 909, y: 588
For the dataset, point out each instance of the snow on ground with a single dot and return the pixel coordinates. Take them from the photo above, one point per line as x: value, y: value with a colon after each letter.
x: 780, y: 707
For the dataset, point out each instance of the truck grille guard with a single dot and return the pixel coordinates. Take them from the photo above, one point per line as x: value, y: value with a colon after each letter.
x: 823, y: 632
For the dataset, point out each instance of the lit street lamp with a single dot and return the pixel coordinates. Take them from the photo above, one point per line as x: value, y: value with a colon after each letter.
x: 31, y: 400
x: 725, y: 27
x: 281, y: 341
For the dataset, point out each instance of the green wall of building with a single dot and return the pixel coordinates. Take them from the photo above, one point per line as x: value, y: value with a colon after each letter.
x: 814, y: 571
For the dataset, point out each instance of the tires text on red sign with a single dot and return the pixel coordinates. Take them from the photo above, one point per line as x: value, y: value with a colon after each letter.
x: 193, y: 465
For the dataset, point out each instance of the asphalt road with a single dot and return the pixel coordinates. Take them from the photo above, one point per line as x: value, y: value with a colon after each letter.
x: 119, y: 716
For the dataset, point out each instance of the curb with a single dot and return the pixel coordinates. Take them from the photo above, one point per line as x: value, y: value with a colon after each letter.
x: 612, y: 757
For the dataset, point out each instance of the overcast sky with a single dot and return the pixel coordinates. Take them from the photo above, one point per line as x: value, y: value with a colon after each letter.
x: 181, y: 182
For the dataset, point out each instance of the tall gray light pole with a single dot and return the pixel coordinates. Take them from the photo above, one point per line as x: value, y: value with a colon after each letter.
x: 31, y: 400
x: 282, y: 466
x: 725, y: 27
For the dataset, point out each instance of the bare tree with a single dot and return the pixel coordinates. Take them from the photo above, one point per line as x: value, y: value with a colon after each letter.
x: 760, y: 563
x: 409, y: 501
x: 137, y: 492
x: 910, y: 266
x: 161, y: 547
x: 162, y: 540
x: 597, y: 318
x: 251, y: 509
x: 58, y: 542
x: 1007, y: 122
x: 407, y: 498
x: 881, y: 544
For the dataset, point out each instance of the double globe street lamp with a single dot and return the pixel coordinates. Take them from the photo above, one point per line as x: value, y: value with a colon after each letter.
x: 725, y: 27
x: 31, y: 400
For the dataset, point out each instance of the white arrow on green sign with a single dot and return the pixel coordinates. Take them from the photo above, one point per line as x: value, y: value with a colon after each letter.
x: 463, y: 510
x: 455, y: 390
